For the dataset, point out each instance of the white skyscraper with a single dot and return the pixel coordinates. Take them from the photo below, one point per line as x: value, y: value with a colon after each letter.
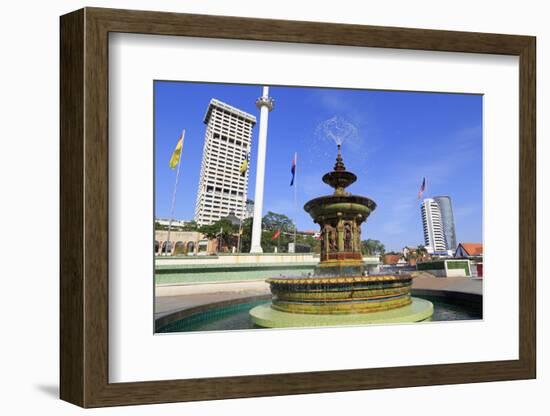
x: 227, y: 143
x: 447, y: 220
x: 434, y: 237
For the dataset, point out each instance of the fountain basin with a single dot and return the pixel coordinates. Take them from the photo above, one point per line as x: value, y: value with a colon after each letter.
x: 340, y: 294
x: 338, y: 205
x: 417, y: 311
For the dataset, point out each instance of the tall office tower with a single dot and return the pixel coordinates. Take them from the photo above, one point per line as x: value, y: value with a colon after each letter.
x: 448, y: 220
x: 434, y: 238
x: 227, y: 142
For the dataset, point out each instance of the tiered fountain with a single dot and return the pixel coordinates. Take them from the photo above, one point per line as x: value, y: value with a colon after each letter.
x: 340, y: 292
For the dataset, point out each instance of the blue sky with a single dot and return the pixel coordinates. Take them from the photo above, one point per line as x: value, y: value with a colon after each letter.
x: 401, y: 137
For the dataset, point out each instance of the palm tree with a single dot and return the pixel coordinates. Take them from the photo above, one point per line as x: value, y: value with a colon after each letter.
x: 373, y: 247
x: 422, y: 251
x: 411, y: 255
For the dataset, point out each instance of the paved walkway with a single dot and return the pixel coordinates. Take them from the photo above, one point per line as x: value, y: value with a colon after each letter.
x: 173, y: 298
x: 451, y: 284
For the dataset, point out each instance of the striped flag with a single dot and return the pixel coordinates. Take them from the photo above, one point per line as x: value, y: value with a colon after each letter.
x: 276, y: 234
x: 175, y: 159
x: 422, y: 188
x: 244, y: 165
x: 293, y: 168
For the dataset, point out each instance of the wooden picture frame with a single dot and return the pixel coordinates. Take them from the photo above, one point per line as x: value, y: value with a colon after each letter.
x: 84, y: 207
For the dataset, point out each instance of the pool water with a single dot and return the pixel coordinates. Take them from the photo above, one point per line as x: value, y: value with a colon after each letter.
x: 236, y: 316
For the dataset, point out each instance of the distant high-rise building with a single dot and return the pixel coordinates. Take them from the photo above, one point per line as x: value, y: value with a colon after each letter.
x: 434, y: 237
x: 227, y: 142
x: 448, y: 221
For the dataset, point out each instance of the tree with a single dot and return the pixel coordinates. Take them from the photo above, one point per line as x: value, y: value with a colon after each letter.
x: 222, y: 230
x: 274, y: 222
x: 373, y: 247
x: 271, y: 223
x: 190, y: 226
x: 411, y: 255
x: 246, y: 236
x: 422, y: 252
x: 310, y: 241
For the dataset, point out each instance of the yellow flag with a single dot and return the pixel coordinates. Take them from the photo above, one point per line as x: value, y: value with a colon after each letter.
x: 244, y: 166
x: 175, y: 159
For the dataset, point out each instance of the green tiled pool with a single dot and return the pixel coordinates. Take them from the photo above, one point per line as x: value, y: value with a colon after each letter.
x: 226, y: 273
x: 236, y: 316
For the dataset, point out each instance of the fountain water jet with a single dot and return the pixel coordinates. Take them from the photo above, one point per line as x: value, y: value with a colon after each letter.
x: 338, y: 130
x: 340, y: 292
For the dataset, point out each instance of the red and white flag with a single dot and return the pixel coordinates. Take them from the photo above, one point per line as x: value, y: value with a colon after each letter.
x: 422, y: 188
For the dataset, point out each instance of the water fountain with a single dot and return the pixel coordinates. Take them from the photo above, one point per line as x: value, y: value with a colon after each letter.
x: 340, y: 291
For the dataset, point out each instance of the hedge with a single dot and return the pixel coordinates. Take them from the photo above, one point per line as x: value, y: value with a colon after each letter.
x: 430, y: 265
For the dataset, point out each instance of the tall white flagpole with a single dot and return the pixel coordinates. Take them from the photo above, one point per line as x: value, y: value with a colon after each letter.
x: 265, y: 104
x: 295, y: 197
x: 243, y: 213
x: 174, y: 194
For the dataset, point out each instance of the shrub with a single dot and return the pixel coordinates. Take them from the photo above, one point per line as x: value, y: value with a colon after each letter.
x: 430, y: 265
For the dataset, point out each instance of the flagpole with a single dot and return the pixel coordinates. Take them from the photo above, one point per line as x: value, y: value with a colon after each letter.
x: 426, y: 187
x: 245, y: 198
x: 240, y: 231
x: 174, y: 195
x: 295, y: 197
x: 241, y: 224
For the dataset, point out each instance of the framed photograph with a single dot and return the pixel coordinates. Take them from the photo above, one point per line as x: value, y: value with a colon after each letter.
x: 254, y: 207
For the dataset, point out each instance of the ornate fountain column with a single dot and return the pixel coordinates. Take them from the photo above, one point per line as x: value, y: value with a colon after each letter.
x: 265, y: 104
x: 340, y: 216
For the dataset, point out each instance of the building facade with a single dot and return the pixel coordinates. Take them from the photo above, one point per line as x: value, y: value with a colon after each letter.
x: 447, y: 220
x: 434, y: 237
x: 182, y: 243
x: 469, y: 250
x: 227, y: 143
x: 175, y: 224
